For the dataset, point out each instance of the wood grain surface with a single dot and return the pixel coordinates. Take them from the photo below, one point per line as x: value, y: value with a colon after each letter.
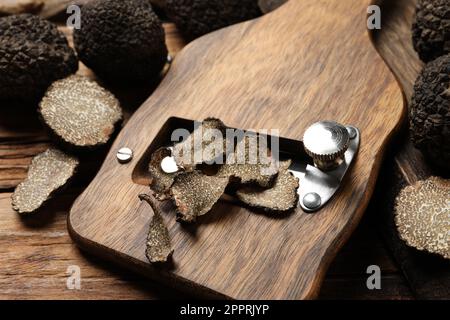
x: 36, y: 253
x: 21, y: 137
x: 308, y: 61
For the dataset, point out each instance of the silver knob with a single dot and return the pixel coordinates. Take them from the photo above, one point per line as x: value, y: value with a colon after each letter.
x: 326, y: 142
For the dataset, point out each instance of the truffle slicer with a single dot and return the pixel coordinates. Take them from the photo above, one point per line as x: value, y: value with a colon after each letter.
x: 305, y: 62
x: 333, y: 148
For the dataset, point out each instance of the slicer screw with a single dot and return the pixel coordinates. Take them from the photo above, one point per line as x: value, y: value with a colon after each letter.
x: 124, y: 155
x: 312, y: 200
x: 326, y: 142
x: 169, y: 165
x: 351, y: 132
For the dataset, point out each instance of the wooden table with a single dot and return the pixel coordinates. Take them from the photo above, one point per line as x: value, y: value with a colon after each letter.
x: 35, y: 252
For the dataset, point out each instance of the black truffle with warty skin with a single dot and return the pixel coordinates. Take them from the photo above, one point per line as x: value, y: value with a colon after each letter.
x: 33, y: 54
x: 431, y: 29
x: 195, y: 18
x: 121, y: 41
x: 429, y: 113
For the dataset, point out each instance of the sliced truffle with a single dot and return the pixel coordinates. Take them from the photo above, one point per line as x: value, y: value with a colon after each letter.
x: 8, y: 7
x: 248, y: 166
x: 207, y: 144
x: 281, y: 197
x: 195, y: 194
x: 195, y: 18
x: 33, y: 54
x: 429, y: 113
x: 431, y: 29
x: 48, y: 173
x: 122, y: 41
x: 161, y: 181
x: 159, y: 247
x: 422, y: 216
x: 80, y: 112
x: 267, y: 6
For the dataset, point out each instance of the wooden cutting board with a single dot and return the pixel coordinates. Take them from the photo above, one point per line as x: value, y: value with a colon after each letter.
x: 310, y: 60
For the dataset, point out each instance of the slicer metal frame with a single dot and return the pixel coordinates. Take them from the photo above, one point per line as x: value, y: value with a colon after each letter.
x: 320, y: 186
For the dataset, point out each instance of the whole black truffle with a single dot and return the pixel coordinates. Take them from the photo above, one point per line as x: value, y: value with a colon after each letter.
x: 430, y: 112
x: 431, y: 29
x: 195, y: 18
x: 121, y: 40
x: 33, y: 54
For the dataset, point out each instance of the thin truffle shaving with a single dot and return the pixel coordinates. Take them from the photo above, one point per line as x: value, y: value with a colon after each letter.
x: 195, y: 193
x: 160, y: 180
x: 159, y: 247
x: 248, y: 166
x: 282, y: 196
x: 48, y: 172
x: 195, y: 188
x: 205, y: 145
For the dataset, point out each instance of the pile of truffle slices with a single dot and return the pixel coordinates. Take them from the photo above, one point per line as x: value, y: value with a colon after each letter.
x: 195, y: 173
x: 123, y: 43
x: 422, y: 210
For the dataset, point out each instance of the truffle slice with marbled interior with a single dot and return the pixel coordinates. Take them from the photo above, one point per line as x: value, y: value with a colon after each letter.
x: 422, y: 215
x: 247, y: 165
x: 206, y: 144
x: 195, y: 193
x: 49, y: 172
x: 80, y: 112
x: 161, y: 181
x: 159, y: 247
x: 282, y: 196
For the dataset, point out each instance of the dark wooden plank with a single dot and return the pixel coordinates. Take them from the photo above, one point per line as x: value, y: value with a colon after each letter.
x: 37, y: 251
x: 364, y: 248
